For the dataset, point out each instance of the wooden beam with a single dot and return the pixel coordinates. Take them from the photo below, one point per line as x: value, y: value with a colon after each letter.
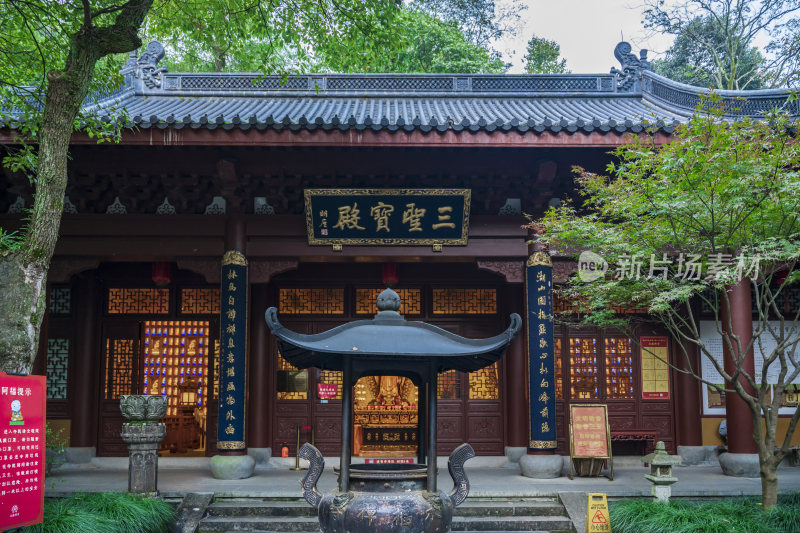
x: 366, y: 138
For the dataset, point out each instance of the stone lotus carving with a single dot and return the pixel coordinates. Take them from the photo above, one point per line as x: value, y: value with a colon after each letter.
x: 143, y: 407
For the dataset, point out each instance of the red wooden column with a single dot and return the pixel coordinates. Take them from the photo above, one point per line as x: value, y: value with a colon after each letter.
x: 259, y: 409
x: 687, y: 395
x: 86, y: 363
x: 740, y: 421
x: 516, y: 364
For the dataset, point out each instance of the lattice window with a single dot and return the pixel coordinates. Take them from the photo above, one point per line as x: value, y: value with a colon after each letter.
x: 332, y: 377
x: 311, y: 301
x: 292, y: 383
x: 464, y: 301
x: 175, y: 352
x: 200, y: 301
x: 557, y: 361
x: 138, y: 301
x: 583, y: 365
x: 411, y: 301
x: 619, y: 367
x: 120, y: 355
x: 216, y: 368
x: 57, y: 366
x: 449, y: 385
x: 60, y: 300
x: 484, y: 383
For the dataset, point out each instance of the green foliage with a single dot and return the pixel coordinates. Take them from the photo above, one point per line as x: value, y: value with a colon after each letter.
x: 543, y: 57
x: 481, y: 21
x: 716, y: 41
x: 426, y: 44
x: 727, y: 516
x: 9, y: 241
x: 55, y: 442
x: 272, y: 38
x: 104, y: 512
x: 724, y: 194
x: 708, y: 66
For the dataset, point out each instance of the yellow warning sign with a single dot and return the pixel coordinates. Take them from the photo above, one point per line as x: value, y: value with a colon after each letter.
x: 597, y: 520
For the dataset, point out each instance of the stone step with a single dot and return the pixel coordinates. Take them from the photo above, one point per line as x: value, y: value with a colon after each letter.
x: 484, y: 515
x: 288, y: 524
x: 513, y: 523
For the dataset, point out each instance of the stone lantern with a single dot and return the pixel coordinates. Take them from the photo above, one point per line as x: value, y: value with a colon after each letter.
x: 660, y: 475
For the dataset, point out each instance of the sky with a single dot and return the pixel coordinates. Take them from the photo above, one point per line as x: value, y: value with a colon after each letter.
x: 587, y: 30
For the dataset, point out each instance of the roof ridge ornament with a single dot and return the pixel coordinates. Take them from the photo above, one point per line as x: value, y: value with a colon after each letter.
x: 629, y: 79
x: 147, y: 68
x: 388, y: 300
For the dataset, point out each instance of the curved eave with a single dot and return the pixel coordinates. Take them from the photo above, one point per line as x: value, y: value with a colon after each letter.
x: 380, y: 341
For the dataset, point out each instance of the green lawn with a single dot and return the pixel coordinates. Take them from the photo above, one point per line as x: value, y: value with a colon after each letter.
x: 104, y: 512
x: 740, y: 515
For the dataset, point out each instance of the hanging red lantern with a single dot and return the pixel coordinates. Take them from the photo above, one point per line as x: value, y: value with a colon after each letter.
x: 162, y: 273
x: 389, y: 276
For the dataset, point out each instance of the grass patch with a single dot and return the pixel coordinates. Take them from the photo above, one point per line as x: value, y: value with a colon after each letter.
x: 742, y: 515
x: 104, y: 512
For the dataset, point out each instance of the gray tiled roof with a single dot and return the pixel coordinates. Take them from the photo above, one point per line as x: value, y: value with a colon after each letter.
x: 624, y: 100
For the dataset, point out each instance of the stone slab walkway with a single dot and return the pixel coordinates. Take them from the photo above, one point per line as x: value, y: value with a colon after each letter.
x: 488, y: 478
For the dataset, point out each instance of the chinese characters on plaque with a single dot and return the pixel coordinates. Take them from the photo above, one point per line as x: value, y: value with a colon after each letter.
x: 655, y: 371
x: 541, y: 362
x: 232, y: 352
x: 22, y: 444
x: 387, y: 216
x: 589, y: 438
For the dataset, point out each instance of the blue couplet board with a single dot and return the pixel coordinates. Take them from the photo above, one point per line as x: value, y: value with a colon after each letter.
x: 232, y: 352
x: 541, y: 362
x: 411, y: 217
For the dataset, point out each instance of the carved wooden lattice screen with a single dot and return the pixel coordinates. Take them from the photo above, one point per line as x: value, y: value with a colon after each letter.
x: 175, y: 352
x: 583, y: 367
x: 123, y: 301
x: 559, y: 377
x: 120, y: 357
x: 449, y: 385
x: 619, y: 368
x: 483, y: 384
x: 294, y: 378
x: 311, y: 301
x: 464, y: 301
x: 411, y: 301
x: 332, y: 377
x: 57, y: 367
x: 200, y: 301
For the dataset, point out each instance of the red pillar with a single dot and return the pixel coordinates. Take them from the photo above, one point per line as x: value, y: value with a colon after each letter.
x: 516, y: 364
x: 259, y: 412
x: 740, y: 421
x: 86, y: 363
x: 687, y: 395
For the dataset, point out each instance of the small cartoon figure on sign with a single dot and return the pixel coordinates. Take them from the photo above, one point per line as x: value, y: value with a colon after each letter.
x: 16, y: 414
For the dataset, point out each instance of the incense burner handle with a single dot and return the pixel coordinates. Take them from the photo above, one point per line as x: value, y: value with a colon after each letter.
x: 455, y: 465
x: 315, y: 468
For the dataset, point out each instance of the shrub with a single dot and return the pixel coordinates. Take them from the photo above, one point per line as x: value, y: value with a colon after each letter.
x: 104, y: 512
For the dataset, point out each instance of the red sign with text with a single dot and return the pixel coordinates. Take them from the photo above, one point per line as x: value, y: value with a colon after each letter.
x: 22, y: 444
x: 327, y: 391
x: 589, y: 425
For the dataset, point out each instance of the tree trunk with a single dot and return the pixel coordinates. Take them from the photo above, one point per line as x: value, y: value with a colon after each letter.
x: 23, y: 274
x: 22, y: 306
x: 769, y: 482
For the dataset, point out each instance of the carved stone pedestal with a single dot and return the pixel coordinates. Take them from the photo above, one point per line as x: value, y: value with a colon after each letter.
x: 143, y: 435
x: 143, y: 440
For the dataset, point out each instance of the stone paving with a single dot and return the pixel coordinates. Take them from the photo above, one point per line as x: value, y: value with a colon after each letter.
x: 489, y: 477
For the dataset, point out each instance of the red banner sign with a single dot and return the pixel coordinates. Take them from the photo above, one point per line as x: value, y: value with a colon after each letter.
x: 589, y: 431
x: 22, y: 445
x: 326, y: 391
